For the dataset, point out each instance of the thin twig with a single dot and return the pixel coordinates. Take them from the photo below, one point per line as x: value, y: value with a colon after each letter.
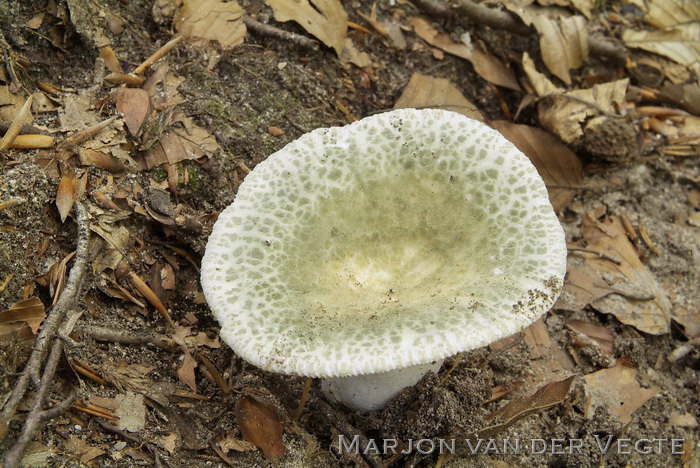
x: 267, y: 30
x: 126, y: 337
x: 339, y: 421
x: 16, y: 126
x: 47, y: 338
x: 477, y: 13
x: 37, y: 415
x: 602, y: 255
x: 302, y: 401
x: 157, y: 55
x: 434, y: 8
x: 684, y: 349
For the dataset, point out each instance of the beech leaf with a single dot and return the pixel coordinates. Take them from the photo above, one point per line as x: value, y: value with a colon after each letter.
x: 546, y: 396
x: 557, y: 165
x: 425, y: 92
x: 260, y: 424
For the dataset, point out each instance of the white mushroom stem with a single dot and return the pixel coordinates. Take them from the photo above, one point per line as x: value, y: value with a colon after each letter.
x: 371, y: 392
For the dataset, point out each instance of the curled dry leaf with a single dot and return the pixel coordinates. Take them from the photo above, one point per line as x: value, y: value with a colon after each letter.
x: 557, y: 165
x: 677, y: 36
x: 131, y: 411
x: 186, y: 372
x: 350, y: 54
x: 10, y: 104
x: 425, y: 92
x: 211, y: 20
x: 150, y: 296
x: 676, y: 44
x: 686, y: 96
x: 22, y: 319
x: 108, y: 162
x: 563, y: 42
x: 81, y: 449
x: 65, y: 198
x: 563, y: 113
x: 231, y: 443
x: 260, y: 424
x: 486, y: 65
x: 325, y: 19
x: 604, y: 271
x: 112, y: 252
x: 601, y: 335
x: 537, y: 337
x: 546, y: 396
x: 168, y: 442
x: 135, y: 105
x: 184, y: 140
x: 617, y: 390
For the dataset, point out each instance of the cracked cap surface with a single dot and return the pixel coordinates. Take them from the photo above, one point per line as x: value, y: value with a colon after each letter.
x: 400, y: 239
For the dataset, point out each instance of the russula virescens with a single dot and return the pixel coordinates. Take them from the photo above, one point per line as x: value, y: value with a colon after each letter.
x: 368, y: 253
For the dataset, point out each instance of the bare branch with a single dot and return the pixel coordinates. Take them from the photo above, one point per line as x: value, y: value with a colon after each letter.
x: 267, y: 30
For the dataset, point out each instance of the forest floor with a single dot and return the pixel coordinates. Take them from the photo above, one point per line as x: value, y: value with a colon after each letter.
x: 141, y: 376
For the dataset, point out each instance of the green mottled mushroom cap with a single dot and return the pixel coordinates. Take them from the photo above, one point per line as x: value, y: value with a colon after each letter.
x: 400, y: 239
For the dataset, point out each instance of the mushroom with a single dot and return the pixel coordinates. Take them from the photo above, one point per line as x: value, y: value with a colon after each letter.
x: 367, y: 254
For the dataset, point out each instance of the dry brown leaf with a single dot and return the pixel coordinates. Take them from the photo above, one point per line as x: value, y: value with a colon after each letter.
x: 231, y: 443
x: 325, y: 19
x: 680, y: 44
x: 10, y: 104
x: 131, y: 411
x: 202, y: 339
x: 548, y: 395
x: 668, y: 13
x: 350, y: 54
x: 168, y: 442
x: 563, y: 113
x: 57, y: 276
x: 42, y: 103
x: 564, y: 44
x: 537, y: 337
x: 493, y: 70
x: 543, y: 86
x: 686, y: 96
x: 77, y: 112
x: 682, y: 420
x: 162, y: 86
x: 186, y: 372
x: 65, y: 198
x: 135, y: 106
x: 82, y: 449
x: 36, y: 21
x: 260, y: 424
x: 581, y: 287
x: 617, y: 390
x: 150, y: 296
x: 211, y: 20
x: 606, y: 273
x: 167, y: 277
x: 100, y: 159
x: 184, y: 140
x: 424, y: 92
x: 486, y: 65
x: 586, y: 7
x: 22, y: 319
x: 678, y: 33
x: 111, y: 254
x: 601, y: 335
x: 557, y: 165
